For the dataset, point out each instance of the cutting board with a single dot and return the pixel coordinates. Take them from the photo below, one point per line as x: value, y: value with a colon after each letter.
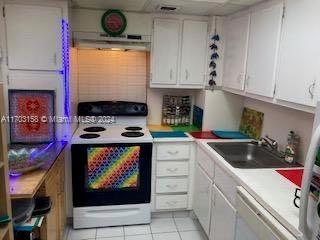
x: 168, y: 134
x: 251, y: 123
x: 230, y: 135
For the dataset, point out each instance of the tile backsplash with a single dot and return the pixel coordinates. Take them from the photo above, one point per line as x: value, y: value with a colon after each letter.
x: 112, y: 75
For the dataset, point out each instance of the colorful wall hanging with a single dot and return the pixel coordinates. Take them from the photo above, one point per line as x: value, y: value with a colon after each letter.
x: 30, y: 112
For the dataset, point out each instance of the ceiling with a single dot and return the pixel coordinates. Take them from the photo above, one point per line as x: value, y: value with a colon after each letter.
x: 194, y: 7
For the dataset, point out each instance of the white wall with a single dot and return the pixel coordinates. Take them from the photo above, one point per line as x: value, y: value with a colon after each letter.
x: 278, y: 121
x: 112, y: 75
x: 221, y: 110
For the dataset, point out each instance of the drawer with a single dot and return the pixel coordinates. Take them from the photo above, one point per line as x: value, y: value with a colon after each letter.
x: 167, y: 169
x: 171, y: 202
x: 205, y: 162
x: 173, y: 151
x: 171, y: 185
x: 226, y: 184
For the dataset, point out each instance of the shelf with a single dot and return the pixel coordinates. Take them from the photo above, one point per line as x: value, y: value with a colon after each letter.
x: 3, y: 231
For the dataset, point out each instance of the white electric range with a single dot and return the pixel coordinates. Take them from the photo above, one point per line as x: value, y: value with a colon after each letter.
x: 111, y: 165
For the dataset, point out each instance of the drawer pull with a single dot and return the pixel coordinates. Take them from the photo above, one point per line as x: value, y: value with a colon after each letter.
x: 172, y: 203
x: 173, y: 152
x: 172, y: 170
x: 172, y: 186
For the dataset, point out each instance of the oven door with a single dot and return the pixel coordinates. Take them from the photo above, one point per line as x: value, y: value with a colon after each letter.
x: 111, y: 174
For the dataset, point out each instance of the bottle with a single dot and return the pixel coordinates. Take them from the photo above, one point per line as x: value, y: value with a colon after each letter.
x: 291, y: 150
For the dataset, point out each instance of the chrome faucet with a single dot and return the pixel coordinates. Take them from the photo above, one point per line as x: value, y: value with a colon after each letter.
x: 273, y: 144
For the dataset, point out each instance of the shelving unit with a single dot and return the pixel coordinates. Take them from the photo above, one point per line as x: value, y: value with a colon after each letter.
x: 6, y: 231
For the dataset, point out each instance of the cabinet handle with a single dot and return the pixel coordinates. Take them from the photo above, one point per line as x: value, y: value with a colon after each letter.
x: 171, y: 203
x: 172, y: 169
x: 311, y: 89
x: 172, y: 186
x: 173, y: 153
x: 239, y: 78
x: 55, y: 58
x: 187, y: 74
x: 247, y: 80
x: 171, y: 74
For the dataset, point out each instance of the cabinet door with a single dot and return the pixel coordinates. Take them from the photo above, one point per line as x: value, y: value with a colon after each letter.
x: 34, y: 37
x: 165, y: 52
x: 223, y: 218
x: 193, y: 56
x: 52, y: 218
x: 237, y: 33
x: 61, y: 199
x: 202, y: 198
x: 299, y: 63
x: 265, y: 30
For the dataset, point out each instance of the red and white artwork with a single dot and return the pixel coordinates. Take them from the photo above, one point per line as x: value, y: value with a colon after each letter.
x: 30, y: 114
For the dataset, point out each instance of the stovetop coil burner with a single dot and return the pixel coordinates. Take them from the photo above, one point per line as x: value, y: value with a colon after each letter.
x: 132, y: 134
x: 94, y: 129
x: 133, y: 128
x: 89, y: 135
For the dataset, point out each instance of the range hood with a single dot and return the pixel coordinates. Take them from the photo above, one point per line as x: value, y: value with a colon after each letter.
x: 91, y: 40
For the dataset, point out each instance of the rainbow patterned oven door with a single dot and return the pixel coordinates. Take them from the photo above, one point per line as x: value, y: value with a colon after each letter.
x: 111, y: 174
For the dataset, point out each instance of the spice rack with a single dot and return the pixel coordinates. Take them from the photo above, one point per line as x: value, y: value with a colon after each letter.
x: 176, y: 110
x: 6, y: 230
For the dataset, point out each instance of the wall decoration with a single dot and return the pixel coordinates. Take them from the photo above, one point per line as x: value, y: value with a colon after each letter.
x: 30, y: 112
x: 251, y: 123
x: 114, y: 22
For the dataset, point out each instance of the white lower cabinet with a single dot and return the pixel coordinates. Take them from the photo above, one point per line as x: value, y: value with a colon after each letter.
x: 172, y: 202
x: 202, y: 198
x: 223, y: 217
x: 172, y: 175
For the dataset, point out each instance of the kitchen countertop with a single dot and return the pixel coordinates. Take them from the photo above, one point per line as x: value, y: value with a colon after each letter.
x: 190, y: 128
x: 273, y: 191
x: 26, y: 186
x: 168, y: 129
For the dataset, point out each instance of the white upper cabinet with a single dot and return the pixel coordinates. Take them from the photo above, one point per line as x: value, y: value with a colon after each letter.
x: 34, y: 37
x: 179, y: 53
x: 265, y: 31
x: 194, y: 53
x: 299, y: 64
x: 165, y: 51
x: 237, y: 33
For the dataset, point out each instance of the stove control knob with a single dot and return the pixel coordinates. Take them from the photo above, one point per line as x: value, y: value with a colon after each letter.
x: 143, y: 109
x: 135, y: 108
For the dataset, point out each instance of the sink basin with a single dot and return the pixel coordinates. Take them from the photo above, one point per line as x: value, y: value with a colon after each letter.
x: 249, y: 155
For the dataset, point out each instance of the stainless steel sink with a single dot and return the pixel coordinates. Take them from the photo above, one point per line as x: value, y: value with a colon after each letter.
x: 249, y: 155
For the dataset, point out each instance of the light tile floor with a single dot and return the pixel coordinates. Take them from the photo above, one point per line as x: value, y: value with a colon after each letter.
x: 163, y: 227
